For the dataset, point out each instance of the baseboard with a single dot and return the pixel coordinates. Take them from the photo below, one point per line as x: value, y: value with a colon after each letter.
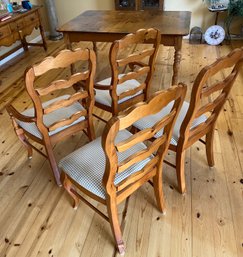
x: 21, y: 50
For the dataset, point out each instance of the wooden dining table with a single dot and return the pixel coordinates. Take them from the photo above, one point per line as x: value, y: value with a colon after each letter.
x: 110, y: 25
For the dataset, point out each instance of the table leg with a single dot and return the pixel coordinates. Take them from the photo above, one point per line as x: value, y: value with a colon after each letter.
x: 95, y: 47
x: 177, y: 60
x: 216, y: 18
x: 23, y: 40
x: 43, y: 37
x: 67, y: 42
x: 81, y: 84
x: 95, y: 50
x: 69, y: 46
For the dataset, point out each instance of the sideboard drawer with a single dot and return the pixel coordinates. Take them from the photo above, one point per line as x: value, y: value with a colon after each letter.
x: 4, y: 31
x: 6, y: 37
x: 17, y: 25
x: 31, y: 19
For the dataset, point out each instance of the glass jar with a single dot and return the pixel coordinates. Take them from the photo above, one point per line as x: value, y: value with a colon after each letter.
x: 217, y: 5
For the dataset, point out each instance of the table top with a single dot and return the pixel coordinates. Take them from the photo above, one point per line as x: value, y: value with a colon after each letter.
x: 168, y: 22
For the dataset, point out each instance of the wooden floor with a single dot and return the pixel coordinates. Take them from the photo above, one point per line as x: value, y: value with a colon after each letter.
x: 36, y: 217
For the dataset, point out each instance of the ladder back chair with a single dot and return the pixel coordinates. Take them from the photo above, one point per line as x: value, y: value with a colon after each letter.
x: 110, y: 168
x: 123, y: 90
x: 198, y: 118
x: 54, y: 120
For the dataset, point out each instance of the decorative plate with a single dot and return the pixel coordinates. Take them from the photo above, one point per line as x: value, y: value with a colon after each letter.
x: 214, y: 35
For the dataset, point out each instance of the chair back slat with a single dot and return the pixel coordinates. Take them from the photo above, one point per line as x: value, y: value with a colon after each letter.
x: 223, y: 63
x: 65, y: 102
x: 132, y: 91
x: 145, y: 134
x: 67, y: 121
x: 200, y: 130
x: 64, y: 59
x: 134, y: 75
x: 163, y: 98
x: 133, y: 140
x: 210, y: 107
x: 135, y: 57
x: 164, y: 122
x: 208, y: 90
x: 208, y: 96
x: 63, y: 84
x: 143, y: 154
x: 149, y: 153
x: 138, y: 175
x: 142, y: 35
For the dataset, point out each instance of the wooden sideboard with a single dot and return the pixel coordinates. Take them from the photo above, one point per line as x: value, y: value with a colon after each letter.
x: 18, y: 27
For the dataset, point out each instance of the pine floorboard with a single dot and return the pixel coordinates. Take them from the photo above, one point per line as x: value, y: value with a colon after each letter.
x: 36, y: 217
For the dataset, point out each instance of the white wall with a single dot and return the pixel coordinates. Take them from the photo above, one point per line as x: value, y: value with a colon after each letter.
x: 201, y: 16
x: 66, y: 10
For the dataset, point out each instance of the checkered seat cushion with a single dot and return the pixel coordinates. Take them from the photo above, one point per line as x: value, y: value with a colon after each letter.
x: 149, y: 121
x: 50, y: 118
x: 86, y: 165
x: 103, y: 96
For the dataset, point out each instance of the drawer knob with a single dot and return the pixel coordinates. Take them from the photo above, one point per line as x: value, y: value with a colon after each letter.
x: 32, y: 19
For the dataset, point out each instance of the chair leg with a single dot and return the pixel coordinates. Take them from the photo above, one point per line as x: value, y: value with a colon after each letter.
x: 90, y: 131
x: 24, y: 140
x: 180, y: 171
x: 115, y: 226
x: 68, y: 186
x: 209, y: 147
x: 158, y: 191
x: 53, y: 164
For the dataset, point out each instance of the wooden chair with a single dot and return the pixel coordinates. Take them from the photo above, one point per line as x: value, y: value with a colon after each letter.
x: 111, y: 168
x: 198, y: 118
x: 54, y: 120
x: 123, y: 90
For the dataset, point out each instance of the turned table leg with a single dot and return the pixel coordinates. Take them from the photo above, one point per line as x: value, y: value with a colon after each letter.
x: 177, y: 60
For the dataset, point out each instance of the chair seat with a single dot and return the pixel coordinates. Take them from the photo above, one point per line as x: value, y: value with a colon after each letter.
x: 152, y: 119
x: 103, y: 96
x: 50, y: 118
x: 86, y: 165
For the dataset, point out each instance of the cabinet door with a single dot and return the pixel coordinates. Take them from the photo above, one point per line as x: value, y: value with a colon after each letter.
x: 125, y: 4
x: 139, y: 4
x: 152, y: 4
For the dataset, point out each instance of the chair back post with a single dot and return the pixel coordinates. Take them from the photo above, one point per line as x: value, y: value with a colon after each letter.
x: 201, y: 89
x: 110, y: 131
x: 114, y: 75
x: 89, y: 82
x: 89, y: 87
x: 155, y: 151
x: 37, y: 103
x: 179, y: 98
